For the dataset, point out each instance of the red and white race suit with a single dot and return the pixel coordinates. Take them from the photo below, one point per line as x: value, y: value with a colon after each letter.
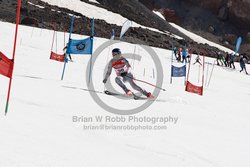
x: 120, y: 66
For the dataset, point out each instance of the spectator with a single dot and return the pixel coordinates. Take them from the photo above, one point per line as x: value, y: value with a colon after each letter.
x: 224, y: 60
x: 219, y: 58
x: 179, y: 55
x: 184, y: 55
x: 175, y: 53
x: 65, y: 54
x: 227, y: 59
x: 242, y: 63
x: 231, y: 60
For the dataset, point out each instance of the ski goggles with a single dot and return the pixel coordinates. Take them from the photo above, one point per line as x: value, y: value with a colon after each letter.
x: 116, y: 54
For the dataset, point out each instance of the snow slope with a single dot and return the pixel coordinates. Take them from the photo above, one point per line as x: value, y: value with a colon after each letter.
x: 159, y: 14
x: 211, y: 130
x: 91, y: 11
x: 200, y: 39
x: 195, y: 37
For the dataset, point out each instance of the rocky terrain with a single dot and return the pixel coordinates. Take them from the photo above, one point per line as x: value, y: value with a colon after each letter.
x: 219, y: 30
x: 221, y: 21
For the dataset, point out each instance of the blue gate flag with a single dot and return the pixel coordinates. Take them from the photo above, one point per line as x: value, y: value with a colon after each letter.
x: 178, y: 71
x: 83, y: 46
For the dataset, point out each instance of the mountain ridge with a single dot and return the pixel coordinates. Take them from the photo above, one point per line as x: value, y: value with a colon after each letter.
x: 43, y: 18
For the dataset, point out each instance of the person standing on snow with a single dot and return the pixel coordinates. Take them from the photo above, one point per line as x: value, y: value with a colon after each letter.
x: 219, y: 58
x: 227, y: 59
x: 242, y: 64
x: 122, y: 66
x: 175, y: 53
x: 197, y: 60
x: 179, y: 55
x: 184, y: 55
x: 65, y: 54
x: 231, y: 60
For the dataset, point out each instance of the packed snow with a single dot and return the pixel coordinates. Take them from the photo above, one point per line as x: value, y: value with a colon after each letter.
x: 39, y: 6
x: 159, y: 14
x: 91, y: 11
x: 94, y: 1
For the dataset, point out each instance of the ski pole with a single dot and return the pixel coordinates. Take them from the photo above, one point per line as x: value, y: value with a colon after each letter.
x: 147, y: 83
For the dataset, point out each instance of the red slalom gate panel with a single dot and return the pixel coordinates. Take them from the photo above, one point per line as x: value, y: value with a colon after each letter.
x: 57, y: 57
x: 6, y: 65
x: 194, y: 89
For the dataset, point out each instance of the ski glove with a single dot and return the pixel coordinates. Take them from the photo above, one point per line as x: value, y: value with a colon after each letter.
x: 123, y: 74
x: 105, y: 80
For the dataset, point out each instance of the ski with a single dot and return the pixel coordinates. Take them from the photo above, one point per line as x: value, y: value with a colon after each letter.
x: 134, y: 96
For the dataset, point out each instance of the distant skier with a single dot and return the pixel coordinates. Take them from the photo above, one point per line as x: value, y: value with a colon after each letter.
x: 122, y: 66
x: 65, y: 54
x: 198, y: 60
x: 242, y: 64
